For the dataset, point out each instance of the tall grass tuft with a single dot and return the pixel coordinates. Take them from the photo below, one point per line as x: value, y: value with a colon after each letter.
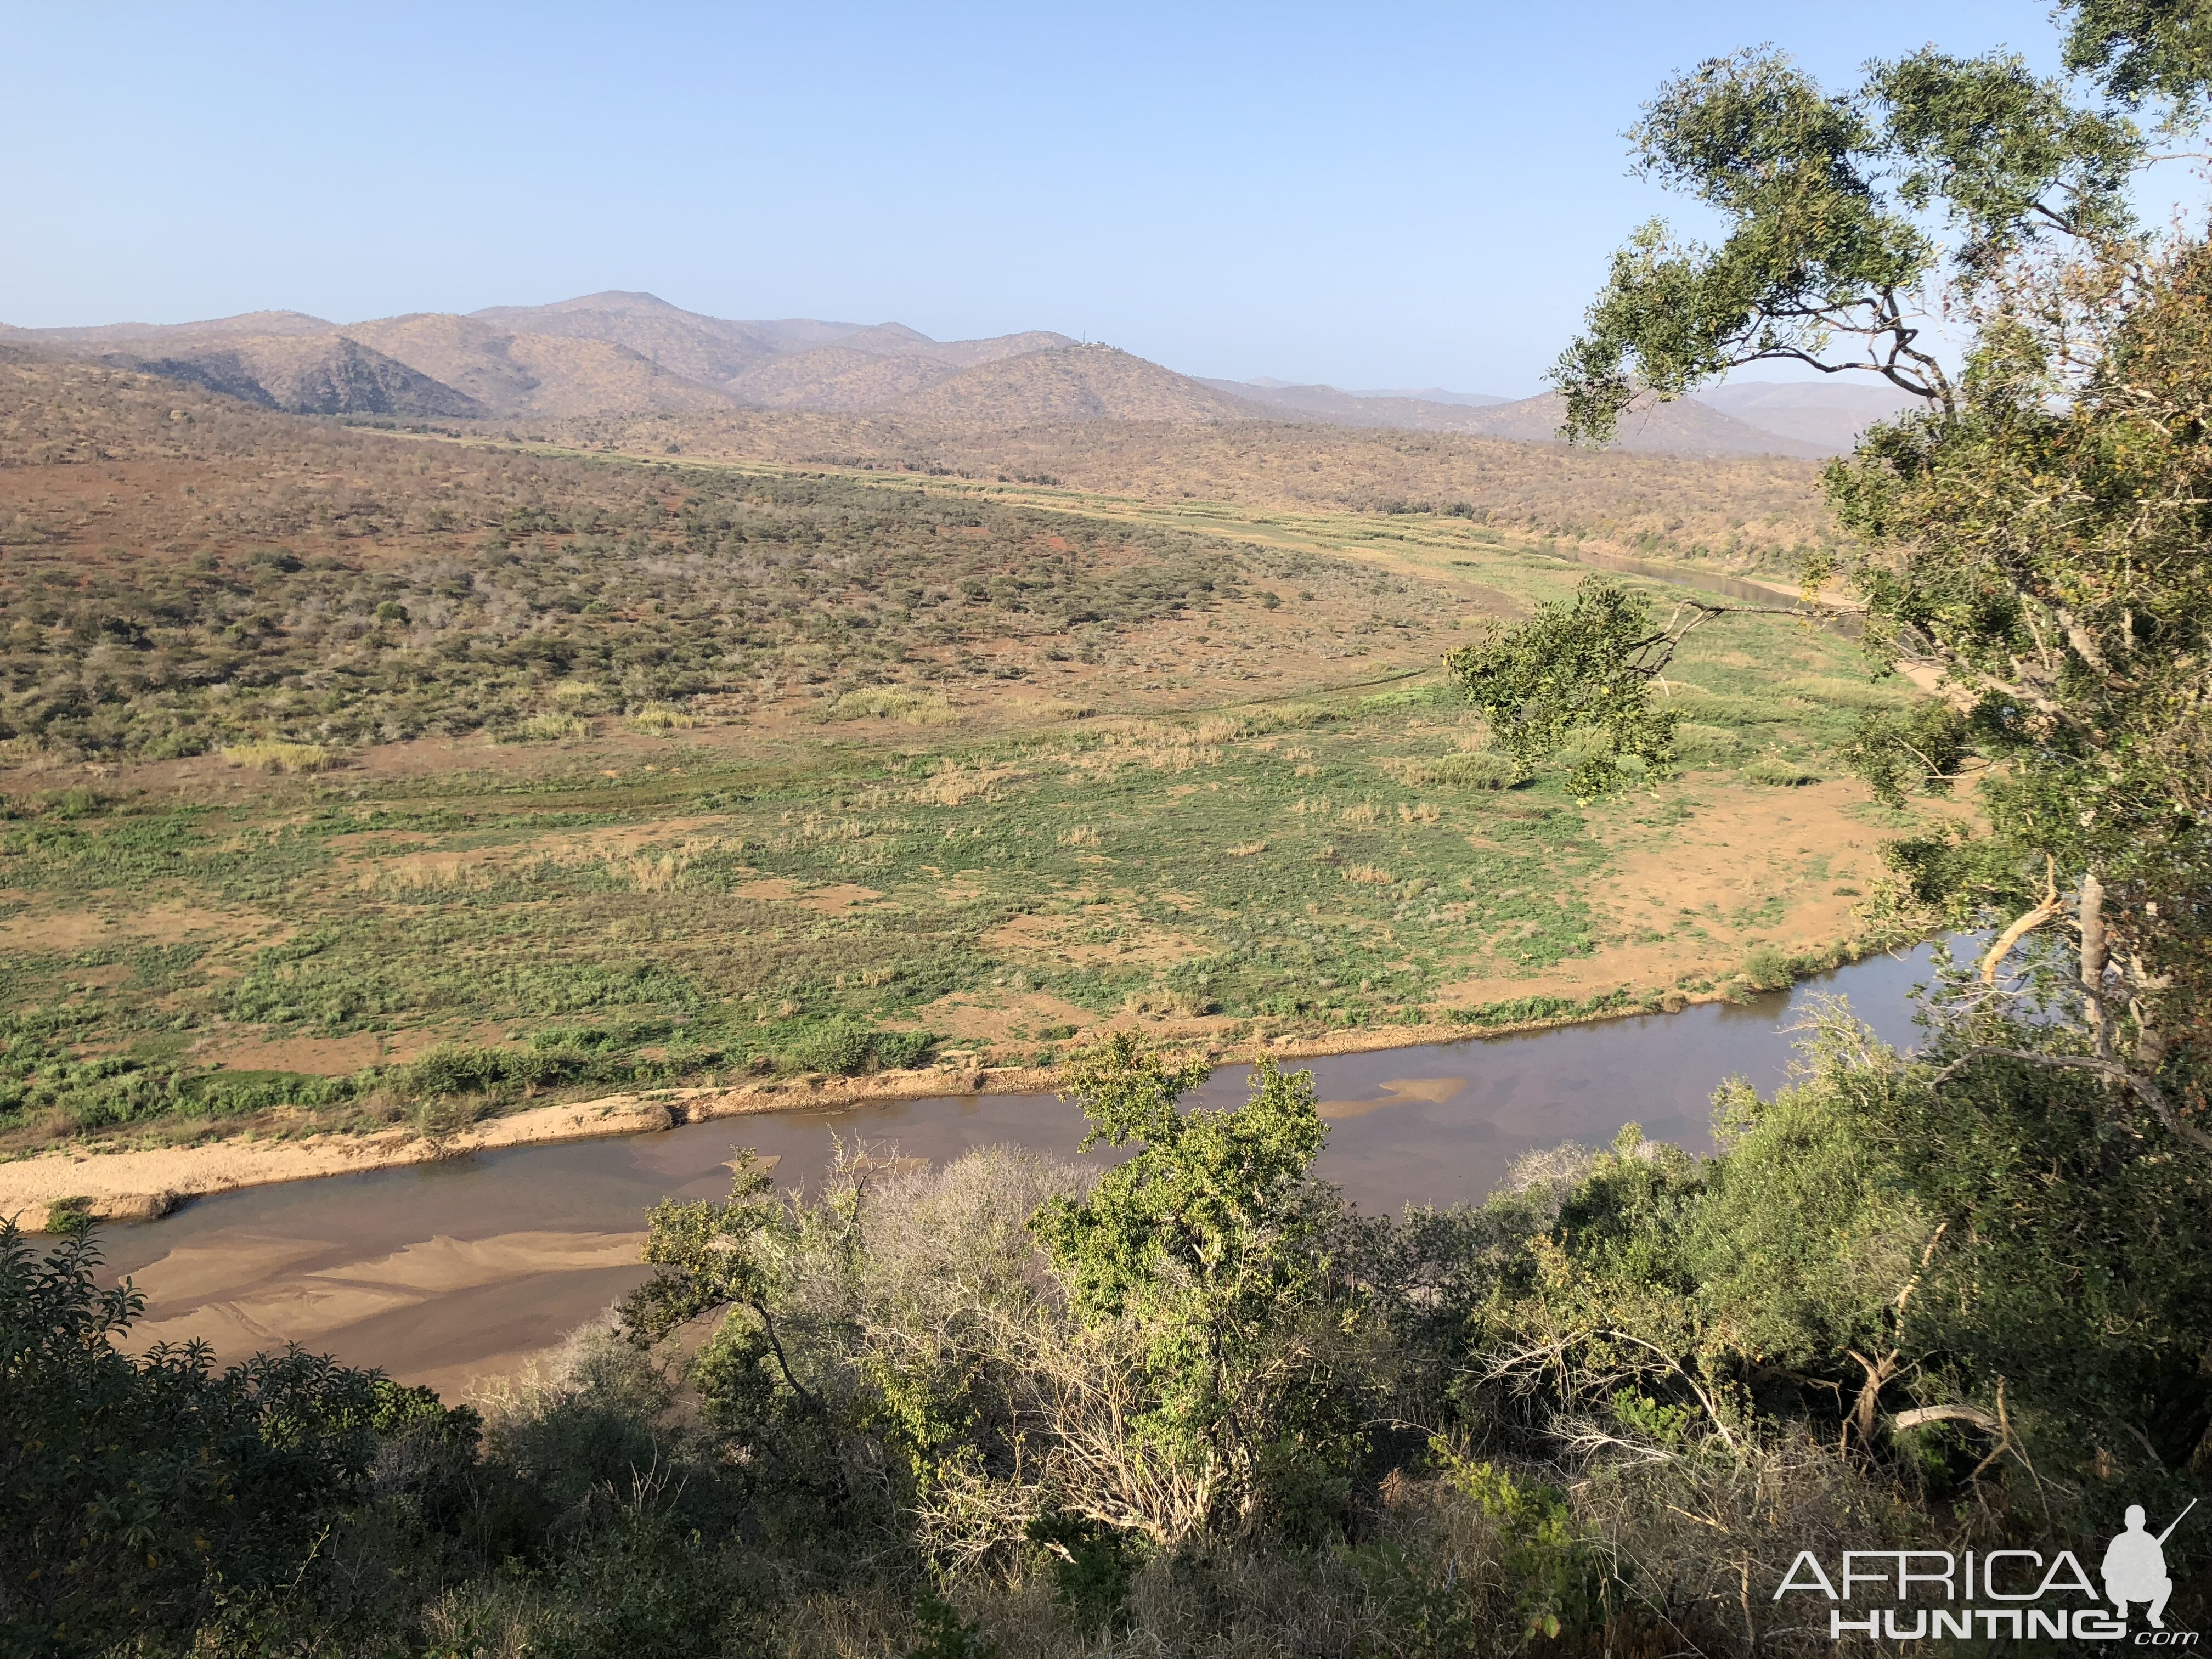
x: 280, y: 756
x: 550, y: 728
x: 894, y: 703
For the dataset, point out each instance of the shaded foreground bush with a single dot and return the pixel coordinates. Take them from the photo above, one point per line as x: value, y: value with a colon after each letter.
x: 1193, y: 1403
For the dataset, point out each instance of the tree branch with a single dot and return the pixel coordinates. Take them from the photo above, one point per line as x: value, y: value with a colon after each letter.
x: 2148, y: 1090
x: 2024, y: 924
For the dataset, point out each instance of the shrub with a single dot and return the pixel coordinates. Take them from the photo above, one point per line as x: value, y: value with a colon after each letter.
x: 1766, y: 968
x: 892, y: 702
x: 141, y: 1494
x: 902, y: 1050
x: 846, y: 1048
x: 1089, y: 1565
x: 663, y: 717
x: 457, y: 1068
x: 280, y: 757
x: 842, y: 1047
x: 550, y: 728
x: 1780, y: 772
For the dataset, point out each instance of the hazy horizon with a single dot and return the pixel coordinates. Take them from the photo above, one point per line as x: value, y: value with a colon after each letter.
x: 1413, y: 197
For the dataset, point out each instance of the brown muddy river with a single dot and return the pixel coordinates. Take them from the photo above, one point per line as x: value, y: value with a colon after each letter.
x: 449, y: 1273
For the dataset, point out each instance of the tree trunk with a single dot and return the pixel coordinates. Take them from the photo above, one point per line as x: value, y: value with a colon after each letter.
x: 2092, y: 962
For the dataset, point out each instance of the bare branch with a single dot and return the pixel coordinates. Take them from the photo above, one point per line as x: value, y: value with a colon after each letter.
x: 1985, y: 1421
x: 2023, y: 925
x: 2145, y: 1088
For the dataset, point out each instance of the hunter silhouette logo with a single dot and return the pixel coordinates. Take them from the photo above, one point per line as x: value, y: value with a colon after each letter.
x: 2135, y: 1567
x: 2006, y: 1593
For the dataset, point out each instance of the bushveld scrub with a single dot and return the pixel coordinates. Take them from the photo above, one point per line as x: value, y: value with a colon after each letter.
x: 867, y: 747
x: 1308, y: 865
x: 1192, y: 1403
x: 1748, y: 512
x: 273, y: 609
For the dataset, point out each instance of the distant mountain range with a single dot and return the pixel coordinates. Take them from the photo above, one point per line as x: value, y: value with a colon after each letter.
x: 632, y: 354
x: 1808, y: 418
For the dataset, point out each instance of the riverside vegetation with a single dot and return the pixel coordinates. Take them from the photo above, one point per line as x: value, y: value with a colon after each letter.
x: 1192, y: 1405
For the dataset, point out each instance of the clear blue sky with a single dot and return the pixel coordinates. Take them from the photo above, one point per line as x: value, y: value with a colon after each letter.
x: 1367, y: 194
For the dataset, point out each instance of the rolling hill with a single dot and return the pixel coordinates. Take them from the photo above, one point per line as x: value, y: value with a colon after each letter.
x: 608, y: 354
x: 1070, y: 383
x: 516, y: 374
x: 707, y: 350
x: 300, y: 373
x: 621, y: 353
x: 836, y: 377
x: 1685, y: 428
x: 1828, y: 413
x: 250, y: 322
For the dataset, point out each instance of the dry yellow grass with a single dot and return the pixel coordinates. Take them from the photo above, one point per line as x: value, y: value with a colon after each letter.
x: 550, y: 728
x: 280, y: 756
x: 661, y: 875
x: 894, y: 703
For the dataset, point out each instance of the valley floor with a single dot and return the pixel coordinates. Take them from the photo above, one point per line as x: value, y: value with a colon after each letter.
x: 1263, y: 820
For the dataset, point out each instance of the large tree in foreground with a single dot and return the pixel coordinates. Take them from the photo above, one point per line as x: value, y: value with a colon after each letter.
x: 2035, y: 541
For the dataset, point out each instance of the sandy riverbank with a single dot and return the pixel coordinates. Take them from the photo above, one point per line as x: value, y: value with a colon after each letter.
x: 126, y: 1183
x: 120, y: 1182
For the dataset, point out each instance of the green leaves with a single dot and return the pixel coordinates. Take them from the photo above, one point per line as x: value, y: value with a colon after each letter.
x: 1208, y: 1256
x: 709, y: 1255
x: 2143, y: 50
x: 2035, y: 542
x: 1813, y: 247
x: 2005, y: 155
x: 1216, y: 1201
x: 1584, y: 667
x: 1926, y: 746
x: 1831, y: 201
x: 2045, y: 547
x: 140, y: 1495
x: 1129, y: 1092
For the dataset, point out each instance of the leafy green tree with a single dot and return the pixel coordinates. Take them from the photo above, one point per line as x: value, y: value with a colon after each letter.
x: 1827, y: 199
x: 1871, y: 1256
x: 2031, y: 545
x: 1581, y: 666
x: 142, y: 1497
x: 2145, y: 51
x: 766, y: 1391
x: 1214, y: 1246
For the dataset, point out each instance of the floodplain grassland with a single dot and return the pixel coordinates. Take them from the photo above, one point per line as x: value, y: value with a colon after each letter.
x: 674, y: 771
